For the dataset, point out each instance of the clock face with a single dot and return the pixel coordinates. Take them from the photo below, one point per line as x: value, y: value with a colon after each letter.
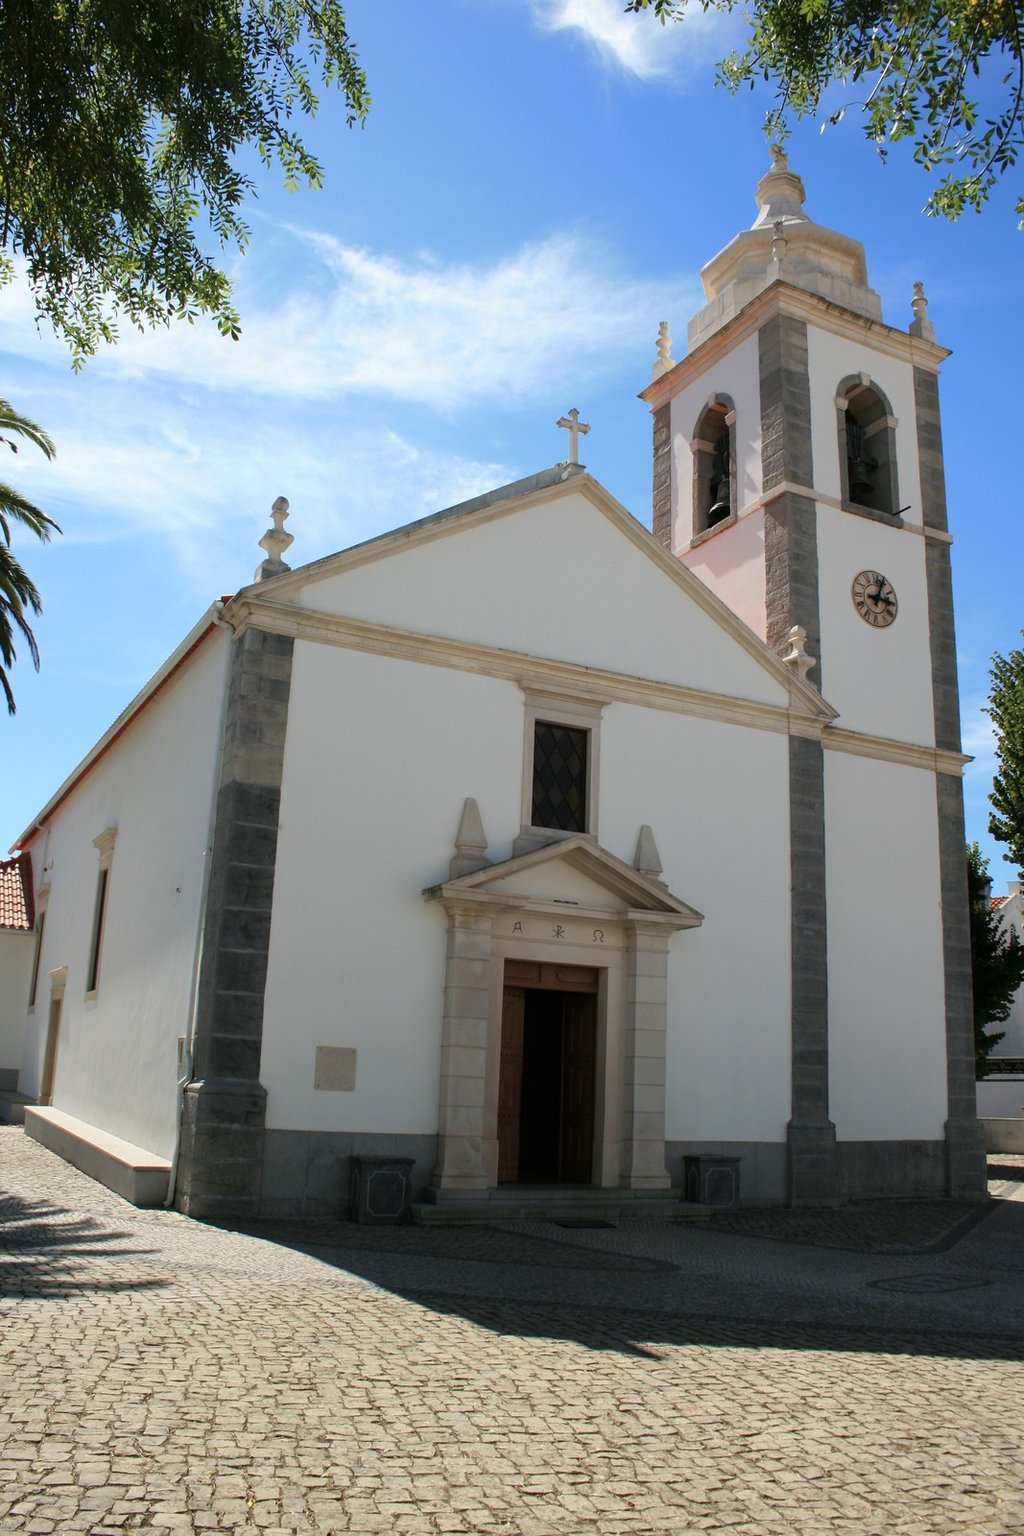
x: 874, y: 598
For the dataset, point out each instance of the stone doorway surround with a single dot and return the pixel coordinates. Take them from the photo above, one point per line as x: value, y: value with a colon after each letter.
x: 569, y: 903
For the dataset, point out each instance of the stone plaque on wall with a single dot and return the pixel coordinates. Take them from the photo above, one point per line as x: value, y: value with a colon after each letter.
x: 335, y: 1068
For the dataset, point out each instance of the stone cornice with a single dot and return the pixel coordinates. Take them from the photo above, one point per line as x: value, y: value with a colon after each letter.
x: 804, y: 716
x: 933, y: 759
x: 783, y: 299
x: 790, y: 488
x: 543, y: 674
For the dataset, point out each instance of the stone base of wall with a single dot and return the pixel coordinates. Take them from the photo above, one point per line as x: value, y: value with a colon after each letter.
x: 762, y: 1169
x: 880, y: 1170
x: 306, y: 1173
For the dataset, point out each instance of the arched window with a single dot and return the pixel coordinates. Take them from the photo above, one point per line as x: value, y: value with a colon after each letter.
x: 867, y: 447
x: 714, y: 465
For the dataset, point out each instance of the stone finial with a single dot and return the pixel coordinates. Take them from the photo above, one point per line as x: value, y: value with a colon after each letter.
x: 647, y: 860
x: 470, y: 842
x: 797, y: 655
x: 779, y: 241
x: 663, y: 362
x: 275, y: 541
x: 571, y: 421
x: 921, y: 325
x: 780, y: 194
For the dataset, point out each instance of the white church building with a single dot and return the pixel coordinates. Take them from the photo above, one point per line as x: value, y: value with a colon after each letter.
x: 543, y: 850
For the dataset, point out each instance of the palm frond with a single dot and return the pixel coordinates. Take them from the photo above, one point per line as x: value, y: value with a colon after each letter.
x: 14, y: 425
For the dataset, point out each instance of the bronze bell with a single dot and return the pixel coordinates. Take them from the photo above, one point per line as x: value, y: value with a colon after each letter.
x: 862, y: 484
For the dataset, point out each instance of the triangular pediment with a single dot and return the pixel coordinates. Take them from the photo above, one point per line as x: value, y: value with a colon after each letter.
x: 604, y: 594
x: 573, y: 872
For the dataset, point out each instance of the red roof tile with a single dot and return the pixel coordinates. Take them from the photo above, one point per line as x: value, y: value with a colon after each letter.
x: 17, y: 908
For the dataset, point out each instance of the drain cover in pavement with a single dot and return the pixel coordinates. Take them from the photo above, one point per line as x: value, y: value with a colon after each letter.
x: 927, y: 1285
x: 587, y: 1226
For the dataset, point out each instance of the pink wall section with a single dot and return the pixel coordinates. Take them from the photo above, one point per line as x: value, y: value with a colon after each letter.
x: 732, y: 565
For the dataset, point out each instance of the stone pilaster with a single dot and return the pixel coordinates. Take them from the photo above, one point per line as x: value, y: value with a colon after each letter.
x: 643, y: 1080
x: 661, y: 512
x: 811, y: 1136
x: 223, y: 1119
x: 965, y: 1155
x: 460, y: 1142
x: 791, y: 594
x: 965, y: 1149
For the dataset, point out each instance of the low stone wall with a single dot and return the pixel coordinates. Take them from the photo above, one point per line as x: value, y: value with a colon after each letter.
x: 1004, y: 1135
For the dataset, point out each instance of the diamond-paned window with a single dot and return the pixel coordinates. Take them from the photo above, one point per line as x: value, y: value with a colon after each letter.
x: 559, y: 777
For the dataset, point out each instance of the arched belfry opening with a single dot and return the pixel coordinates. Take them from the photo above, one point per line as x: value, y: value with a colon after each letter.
x: 867, y: 447
x: 714, y: 465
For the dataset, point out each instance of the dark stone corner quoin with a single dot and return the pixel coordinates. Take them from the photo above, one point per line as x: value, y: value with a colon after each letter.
x: 224, y: 1110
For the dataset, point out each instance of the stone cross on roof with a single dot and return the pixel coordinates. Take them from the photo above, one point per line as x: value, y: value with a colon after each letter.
x: 574, y: 426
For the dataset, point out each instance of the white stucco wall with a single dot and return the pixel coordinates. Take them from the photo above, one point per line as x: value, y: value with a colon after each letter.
x: 373, y: 791
x: 731, y: 563
x: 549, y: 580
x: 16, y: 952
x: 117, y: 1061
x: 1001, y: 1097
x: 887, y: 1040
x: 833, y: 358
x: 1013, y: 1045
x: 737, y: 375
x: 716, y: 797
x: 879, y: 680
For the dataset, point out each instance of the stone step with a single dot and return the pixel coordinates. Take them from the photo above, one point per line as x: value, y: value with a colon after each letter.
x: 130, y: 1171
x: 584, y: 1205
x: 12, y: 1106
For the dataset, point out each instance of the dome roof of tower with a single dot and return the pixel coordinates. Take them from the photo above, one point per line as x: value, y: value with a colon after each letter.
x: 784, y: 244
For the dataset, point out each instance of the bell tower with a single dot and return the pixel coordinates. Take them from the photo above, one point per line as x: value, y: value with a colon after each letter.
x: 798, y: 471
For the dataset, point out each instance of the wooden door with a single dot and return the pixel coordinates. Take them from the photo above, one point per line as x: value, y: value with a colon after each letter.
x: 579, y: 1031
x: 510, y: 1083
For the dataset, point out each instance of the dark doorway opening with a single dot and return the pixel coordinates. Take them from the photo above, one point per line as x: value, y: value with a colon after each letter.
x: 547, y: 1082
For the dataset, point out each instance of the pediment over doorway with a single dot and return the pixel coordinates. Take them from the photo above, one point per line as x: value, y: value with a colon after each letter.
x: 572, y: 874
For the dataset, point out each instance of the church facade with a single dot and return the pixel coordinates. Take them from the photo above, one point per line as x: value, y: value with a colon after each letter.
x: 544, y: 850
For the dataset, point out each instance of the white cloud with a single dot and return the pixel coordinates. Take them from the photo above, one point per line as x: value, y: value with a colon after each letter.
x: 638, y: 44
x: 351, y: 321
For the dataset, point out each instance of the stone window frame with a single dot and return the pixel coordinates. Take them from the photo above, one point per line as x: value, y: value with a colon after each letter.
x: 861, y: 394
x: 580, y: 714
x: 706, y: 434
x: 42, y: 902
x: 105, y: 844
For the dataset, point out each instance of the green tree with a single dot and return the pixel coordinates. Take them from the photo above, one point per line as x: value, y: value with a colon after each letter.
x: 997, y: 961
x: 17, y: 592
x: 921, y: 69
x: 1006, y: 709
x: 120, y: 131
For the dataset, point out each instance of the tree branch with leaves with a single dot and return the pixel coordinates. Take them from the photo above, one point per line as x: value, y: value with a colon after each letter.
x: 1006, y: 711
x: 924, y: 68
x: 120, y: 132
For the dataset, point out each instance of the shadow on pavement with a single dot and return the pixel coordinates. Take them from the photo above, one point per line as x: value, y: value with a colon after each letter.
x: 398, y: 1260
x: 44, y: 1249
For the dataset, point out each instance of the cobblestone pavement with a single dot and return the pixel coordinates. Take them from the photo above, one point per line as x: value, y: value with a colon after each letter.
x: 858, y: 1372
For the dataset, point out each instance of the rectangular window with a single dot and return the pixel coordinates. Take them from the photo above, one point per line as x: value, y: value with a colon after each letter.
x: 40, y: 929
x: 97, y: 929
x: 561, y: 768
x: 559, y: 777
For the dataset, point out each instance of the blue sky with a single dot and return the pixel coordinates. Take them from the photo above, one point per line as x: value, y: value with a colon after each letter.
x: 537, y: 186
